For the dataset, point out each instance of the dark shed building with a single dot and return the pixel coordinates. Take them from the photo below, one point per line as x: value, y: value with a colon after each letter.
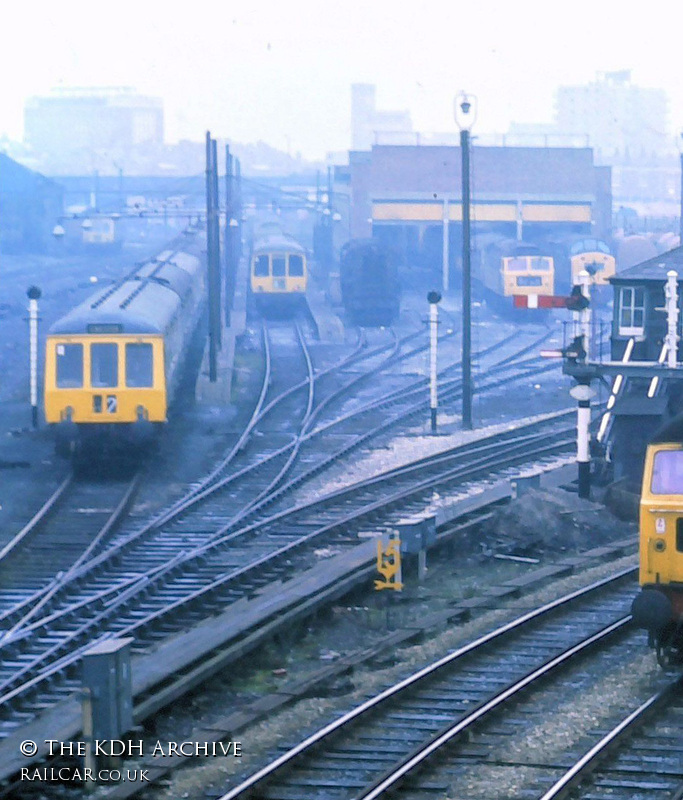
x: 409, y: 197
x: 30, y: 205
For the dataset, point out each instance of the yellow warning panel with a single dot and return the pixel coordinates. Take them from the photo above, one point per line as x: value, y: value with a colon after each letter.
x: 389, y: 564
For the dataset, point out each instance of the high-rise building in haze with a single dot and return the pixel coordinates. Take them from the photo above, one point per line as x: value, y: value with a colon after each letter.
x: 623, y: 121
x: 367, y: 122
x: 71, y: 123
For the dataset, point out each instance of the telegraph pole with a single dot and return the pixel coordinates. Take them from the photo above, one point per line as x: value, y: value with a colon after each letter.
x: 228, y: 245
x: 214, y: 322
x: 216, y: 242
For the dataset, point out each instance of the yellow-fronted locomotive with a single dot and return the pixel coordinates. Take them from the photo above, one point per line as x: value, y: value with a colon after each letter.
x: 528, y: 274
x: 278, y: 273
x: 112, y: 364
x: 658, y: 608
x: 511, y: 270
x: 594, y: 256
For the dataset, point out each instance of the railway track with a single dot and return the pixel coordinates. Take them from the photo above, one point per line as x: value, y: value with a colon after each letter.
x: 146, y: 601
x: 194, y: 566
x: 640, y: 756
x: 71, y: 527
x: 384, y: 744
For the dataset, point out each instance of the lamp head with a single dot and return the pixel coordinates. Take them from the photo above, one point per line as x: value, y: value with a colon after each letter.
x: 465, y: 110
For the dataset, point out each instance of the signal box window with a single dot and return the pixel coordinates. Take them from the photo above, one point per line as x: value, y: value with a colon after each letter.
x: 667, y: 472
x: 139, y: 372
x: 631, y: 311
x: 69, y: 366
x: 104, y: 368
x: 296, y: 266
x: 261, y: 267
x: 279, y: 269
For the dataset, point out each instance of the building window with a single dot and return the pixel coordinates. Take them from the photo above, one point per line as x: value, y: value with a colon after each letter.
x: 632, y: 311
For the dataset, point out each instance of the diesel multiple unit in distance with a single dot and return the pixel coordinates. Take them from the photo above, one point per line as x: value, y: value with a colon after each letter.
x: 658, y: 608
x: 369, y: 282
x: 112, y: 364
x: 278, y: 274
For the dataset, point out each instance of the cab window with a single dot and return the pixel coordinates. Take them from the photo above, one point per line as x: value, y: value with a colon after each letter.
x: 261, y: 266
x: 139, y: 373
x: 69, y: 366
x: 517, y: 265
x: 279, y: 266
x: 667, y: 472
x: 296, y: 266
x: 104, y: 368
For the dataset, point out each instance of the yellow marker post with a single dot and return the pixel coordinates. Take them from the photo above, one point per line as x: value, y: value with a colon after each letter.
x: 389, y: 564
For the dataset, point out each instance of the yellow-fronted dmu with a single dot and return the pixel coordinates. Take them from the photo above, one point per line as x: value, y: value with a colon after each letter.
x: 278, y: 274
x: 112, y: 365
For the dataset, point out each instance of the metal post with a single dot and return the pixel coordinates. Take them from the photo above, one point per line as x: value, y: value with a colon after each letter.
x: 433, y: 299
x: 466, y: 284
x: 33, y: 297
x: 237, y: 201
x: 211, y: 272
x: 671, y: 294
x: 230, y: 266
x: 446, y: 251
x: 217, y: 243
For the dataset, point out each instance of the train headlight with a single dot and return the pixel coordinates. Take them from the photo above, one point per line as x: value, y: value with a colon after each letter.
x: 660, y: 545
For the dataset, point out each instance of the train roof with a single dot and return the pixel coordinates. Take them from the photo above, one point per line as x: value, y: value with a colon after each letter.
x: 144, y: 301
x: 654, y: 269
x: 279, y: 243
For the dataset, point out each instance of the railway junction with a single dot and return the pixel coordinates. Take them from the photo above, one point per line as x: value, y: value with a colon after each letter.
x: 235, y: 571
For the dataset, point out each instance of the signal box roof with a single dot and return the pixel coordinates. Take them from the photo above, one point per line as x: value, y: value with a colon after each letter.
x: 654, y: 269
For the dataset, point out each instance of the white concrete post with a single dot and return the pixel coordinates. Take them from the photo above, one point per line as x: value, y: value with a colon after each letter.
x: 33, y: 296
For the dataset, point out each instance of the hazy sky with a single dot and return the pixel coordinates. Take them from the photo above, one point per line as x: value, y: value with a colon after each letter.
x: 281, y: 71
